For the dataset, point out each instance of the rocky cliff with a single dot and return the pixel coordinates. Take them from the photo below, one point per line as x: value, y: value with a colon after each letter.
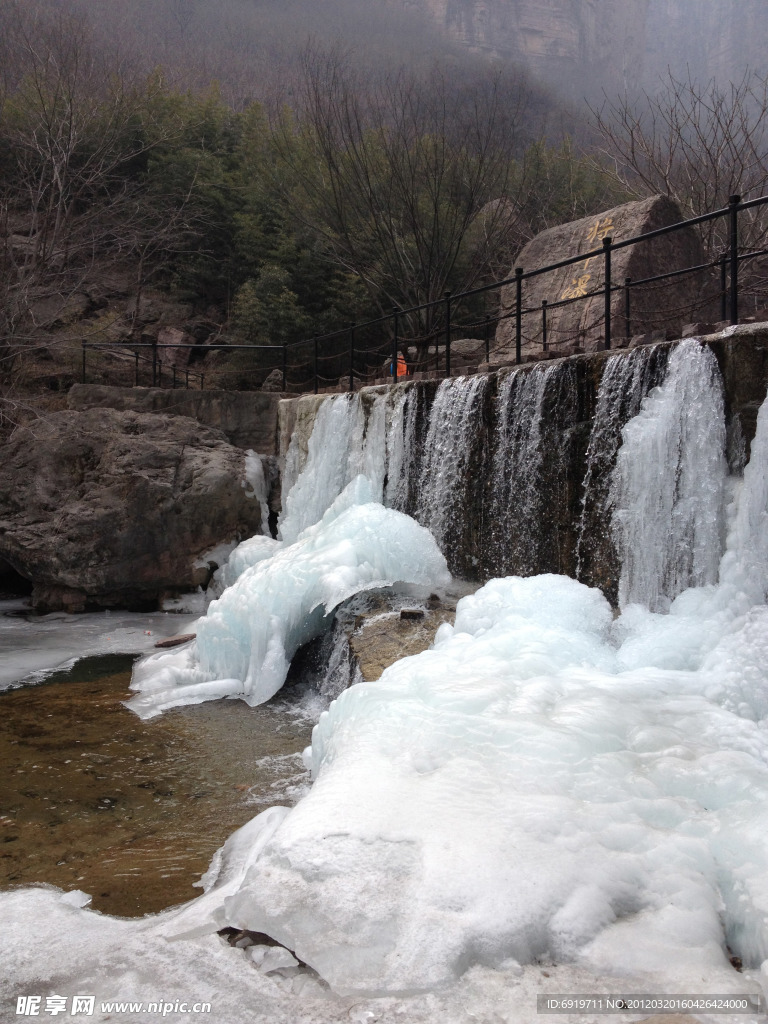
x: 104, y: 508
x: 612, y: 44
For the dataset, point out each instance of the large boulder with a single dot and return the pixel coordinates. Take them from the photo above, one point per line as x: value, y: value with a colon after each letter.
x: 576, y: 303
x: 116, y: 509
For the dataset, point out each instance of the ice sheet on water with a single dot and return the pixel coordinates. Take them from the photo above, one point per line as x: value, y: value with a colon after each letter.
x: 34, y: 646
x: 247, y: 638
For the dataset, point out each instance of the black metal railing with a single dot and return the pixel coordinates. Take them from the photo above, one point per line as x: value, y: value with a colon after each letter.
x: 365, y: 352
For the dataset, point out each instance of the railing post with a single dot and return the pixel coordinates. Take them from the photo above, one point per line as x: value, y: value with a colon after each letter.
x: 487, y: 337
x: 173, y: 385
x: 352, y: 357
x: 154, y: 362
x: 733, y: 217
x: 202, y: 381
x: 627, y: 306
x: 447, y: 333
x: 136, y: 359
x: 159, y: 373
x: 84, y: 347
x: 607, y: 242
x: 395, y: 343
x: 544, y: 325
x: 723, y: 286
x: 285, y: 366
x: 314, y: 340
x: 186, y: 379
x: 518, y: 314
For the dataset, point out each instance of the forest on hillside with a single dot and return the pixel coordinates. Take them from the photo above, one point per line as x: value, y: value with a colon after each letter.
x: 286, y: 179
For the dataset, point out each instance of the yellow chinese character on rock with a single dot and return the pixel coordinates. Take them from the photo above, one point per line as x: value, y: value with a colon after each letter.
x: 578, y: 287
x: 601, y: 229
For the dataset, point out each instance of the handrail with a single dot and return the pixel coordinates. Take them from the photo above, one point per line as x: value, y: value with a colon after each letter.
x: 441, y: 336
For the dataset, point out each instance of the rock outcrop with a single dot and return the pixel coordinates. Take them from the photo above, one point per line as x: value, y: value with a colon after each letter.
x: 104, y: 508
x: 247, y: 418
x: 590, y: 45
x: 576, y: 305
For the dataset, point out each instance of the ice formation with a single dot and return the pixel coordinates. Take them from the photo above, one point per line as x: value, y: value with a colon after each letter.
x: 669, y: 482
x: 246, y: 640
x: 256, y: 486
x: 547, y: 783
x: 544, y: 782
x: 247, y: 554
x: 343, y: 445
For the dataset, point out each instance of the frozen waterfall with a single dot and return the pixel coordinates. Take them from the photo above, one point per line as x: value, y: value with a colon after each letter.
x: 553, y: 783
x: 248, y: 636
x: 669, y: 484
x: 546, y: 782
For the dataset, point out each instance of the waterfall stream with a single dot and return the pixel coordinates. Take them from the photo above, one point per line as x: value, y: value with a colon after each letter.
x: 626, y: 380
x: 668, y: 489
x: 447, y: 485
x: 516, y: 493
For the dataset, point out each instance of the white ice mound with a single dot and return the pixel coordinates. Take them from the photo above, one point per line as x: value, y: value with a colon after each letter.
x: 248, y: 553
x: 246, y: 640
x: 511, y: 793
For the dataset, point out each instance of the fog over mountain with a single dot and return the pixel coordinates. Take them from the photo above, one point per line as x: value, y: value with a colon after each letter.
x: 576, y: 47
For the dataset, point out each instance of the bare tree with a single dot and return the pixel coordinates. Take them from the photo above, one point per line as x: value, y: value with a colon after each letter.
x: 75, y: 129
x: 412, y: 184
x: 698, y: 143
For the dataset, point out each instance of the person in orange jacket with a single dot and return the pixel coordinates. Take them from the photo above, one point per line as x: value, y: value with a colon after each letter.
x: 402, y: 366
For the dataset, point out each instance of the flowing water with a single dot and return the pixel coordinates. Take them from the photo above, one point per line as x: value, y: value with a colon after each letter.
x: 668, y: 489
x: 449, y: 477
x: 516, y: 493
x: 626, y: 380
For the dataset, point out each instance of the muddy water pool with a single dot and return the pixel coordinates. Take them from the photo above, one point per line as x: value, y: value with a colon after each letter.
x: 131, y: 811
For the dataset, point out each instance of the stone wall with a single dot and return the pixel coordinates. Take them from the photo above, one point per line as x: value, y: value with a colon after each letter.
x: 116, y: 507
x: 555, y: 530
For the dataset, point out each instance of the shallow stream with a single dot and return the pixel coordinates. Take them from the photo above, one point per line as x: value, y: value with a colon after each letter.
x: 131, y: 811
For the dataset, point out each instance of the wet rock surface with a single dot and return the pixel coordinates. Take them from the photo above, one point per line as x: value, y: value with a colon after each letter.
x: 382, y: 637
